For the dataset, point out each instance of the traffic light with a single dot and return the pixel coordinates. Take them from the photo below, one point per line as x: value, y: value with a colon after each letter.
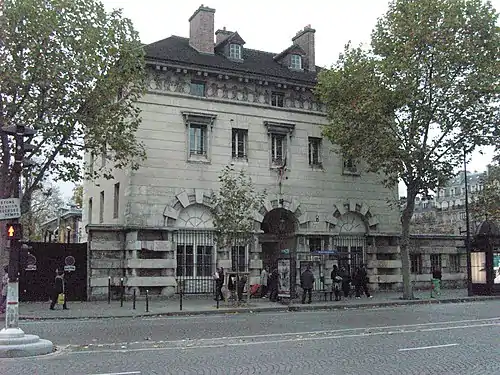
x: 14, y: 231
x: 22, y: 146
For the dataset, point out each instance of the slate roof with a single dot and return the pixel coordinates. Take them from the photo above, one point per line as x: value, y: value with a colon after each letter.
x: 176, y: 49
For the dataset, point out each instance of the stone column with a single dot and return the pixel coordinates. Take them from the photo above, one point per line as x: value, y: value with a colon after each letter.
x: 132, y: 246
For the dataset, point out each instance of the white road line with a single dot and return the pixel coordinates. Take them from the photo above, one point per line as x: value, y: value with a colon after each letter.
x: 427, y: 347
x: 277, y: 341
x: 120, y: 373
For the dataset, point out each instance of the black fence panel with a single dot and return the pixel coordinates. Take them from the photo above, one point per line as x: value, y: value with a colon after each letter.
x: 37, y: 277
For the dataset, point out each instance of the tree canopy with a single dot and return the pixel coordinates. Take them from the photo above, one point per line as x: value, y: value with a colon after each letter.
x: 73, y: 72
x: 424, y: 93
x: 233, y: 208
x: 486, y: 202
x: 77, y: 197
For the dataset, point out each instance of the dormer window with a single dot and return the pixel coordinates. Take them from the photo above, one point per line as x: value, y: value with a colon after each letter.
x: 296, y: 62
x: 235, y: 51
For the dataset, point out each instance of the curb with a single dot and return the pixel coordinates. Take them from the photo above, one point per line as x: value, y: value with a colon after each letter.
x: 277, y: 309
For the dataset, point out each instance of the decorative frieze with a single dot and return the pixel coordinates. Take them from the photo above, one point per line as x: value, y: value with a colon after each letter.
x: 238, y: 89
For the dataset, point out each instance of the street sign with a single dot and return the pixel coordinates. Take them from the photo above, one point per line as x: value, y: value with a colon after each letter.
x: 69, y: 264
x: 10, y: 208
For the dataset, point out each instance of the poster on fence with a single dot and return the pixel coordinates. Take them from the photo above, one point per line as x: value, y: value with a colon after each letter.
x: 284, y: 278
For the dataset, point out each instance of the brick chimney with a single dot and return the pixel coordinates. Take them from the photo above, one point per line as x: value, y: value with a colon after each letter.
x: 220, y: 35
x: 305, y: 40
x: 201, y: 30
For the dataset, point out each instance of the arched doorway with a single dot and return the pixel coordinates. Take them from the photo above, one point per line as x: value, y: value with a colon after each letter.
x: 279, y: 227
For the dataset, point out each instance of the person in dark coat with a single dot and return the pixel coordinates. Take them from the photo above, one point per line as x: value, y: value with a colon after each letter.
x: 336, y: 283
x: 307, y: 282
x: 346, y: 281
x: 241, y: 281
x: 361, y: 282
x: 219, y: 283
x: 273, y: 285
x: 59, y: 288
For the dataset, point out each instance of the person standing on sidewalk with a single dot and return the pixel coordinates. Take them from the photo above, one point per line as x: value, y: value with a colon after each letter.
x: 219, y: 283
x: 59, y: 288
x: 5, y: 284
x: 336, y: 283
x: 264, y: 276
x: 361, y: 282
x: 307, y: 282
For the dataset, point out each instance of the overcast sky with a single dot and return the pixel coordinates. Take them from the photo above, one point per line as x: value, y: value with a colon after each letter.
x: 269, y: 26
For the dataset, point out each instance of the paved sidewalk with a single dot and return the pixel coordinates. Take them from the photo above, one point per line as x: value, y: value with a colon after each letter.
x: 205, y: 306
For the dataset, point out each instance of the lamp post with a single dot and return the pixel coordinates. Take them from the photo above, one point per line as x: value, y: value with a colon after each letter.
x: 467, y: 229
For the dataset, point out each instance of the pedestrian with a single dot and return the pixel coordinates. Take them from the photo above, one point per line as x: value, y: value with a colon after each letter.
x: 59, y: 288
x: 264, y: 276
x: 346, y: 281
x: 274, y: 285
x: 219, y: 283
x: 436, y: 283
x: 336, y: 283
x: 361, y: 282
x: 306, y: 283
x: 5, y: 285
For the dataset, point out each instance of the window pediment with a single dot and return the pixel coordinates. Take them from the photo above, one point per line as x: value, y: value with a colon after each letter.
x: 279, y: 127
x: 199, y: 118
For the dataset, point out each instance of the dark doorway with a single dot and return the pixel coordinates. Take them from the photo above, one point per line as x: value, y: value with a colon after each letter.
x: 270, y: 255
x: 37, y: 277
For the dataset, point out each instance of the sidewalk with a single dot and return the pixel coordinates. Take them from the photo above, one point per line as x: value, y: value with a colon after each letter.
x: 206, y: 306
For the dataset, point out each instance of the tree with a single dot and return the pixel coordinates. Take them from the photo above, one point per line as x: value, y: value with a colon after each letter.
x: 426, y: 90
x: 486, y: 203
x: 44, y: 206
x: 74, y: 73
x: 77, y: 197
x: 233, y: 209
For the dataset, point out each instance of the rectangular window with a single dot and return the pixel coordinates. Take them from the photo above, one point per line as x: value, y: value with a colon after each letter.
x: 350, y: 166
x: 101, y: 207
x: 197, y: 139
x: 197, y: 88
x: 239, y: 258
x: 89, y: 218
x: 239, y: 143
x: 296, y: 62
x: 314, y: 244
x: 116, y: 200
x: 454, y: 263
x: 278, y: 149
x: 277, y: 99
x: 314, y: 151
x: 235, y: 51
x: 416, y: 263
x: 185, y: 260
x: 204, y: 260
x: 435, y: 262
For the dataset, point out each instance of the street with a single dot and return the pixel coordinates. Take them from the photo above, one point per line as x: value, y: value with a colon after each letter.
x: 423, y: 339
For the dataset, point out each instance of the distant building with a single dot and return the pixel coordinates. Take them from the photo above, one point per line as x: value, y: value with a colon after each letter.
x: 66, y: 227
x: 445, y: 212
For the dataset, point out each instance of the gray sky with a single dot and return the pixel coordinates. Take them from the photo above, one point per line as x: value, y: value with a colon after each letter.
x: 269, y: 26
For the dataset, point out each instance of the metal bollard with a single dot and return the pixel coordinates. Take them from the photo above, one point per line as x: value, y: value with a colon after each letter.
x: 147, y: 300
x: 109, y: 289
x: 181, y: 292
x: 122, y: 289
x: 133, y: 301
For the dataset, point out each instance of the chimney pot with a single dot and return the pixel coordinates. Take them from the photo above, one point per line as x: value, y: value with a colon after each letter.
x: 305, y: 40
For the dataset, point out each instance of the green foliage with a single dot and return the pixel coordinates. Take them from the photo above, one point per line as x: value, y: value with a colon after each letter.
x: 77, y: 197
x: 74, y: 72
x: 426, y: 90
x: 233, y: 208
x: 486, y: 203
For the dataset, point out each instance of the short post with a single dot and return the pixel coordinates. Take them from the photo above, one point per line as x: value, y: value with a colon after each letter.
x: 122, y: 289
x: 147, y: 300
x: 133, y: 300
x: 216, y: 294
x: 109, y: 290
x: 181, y: 292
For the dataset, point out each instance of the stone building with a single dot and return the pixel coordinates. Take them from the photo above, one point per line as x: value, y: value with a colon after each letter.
x: 210, y: 104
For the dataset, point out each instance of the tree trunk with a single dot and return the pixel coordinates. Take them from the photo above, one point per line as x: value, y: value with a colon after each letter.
x: 405, y: 243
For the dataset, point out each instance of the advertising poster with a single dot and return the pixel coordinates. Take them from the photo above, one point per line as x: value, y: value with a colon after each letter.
x: 284, y: 278
x: 496, y: 268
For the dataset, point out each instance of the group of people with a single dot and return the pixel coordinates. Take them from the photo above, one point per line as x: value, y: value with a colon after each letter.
x: 235, y: 283
x: 342, y: 282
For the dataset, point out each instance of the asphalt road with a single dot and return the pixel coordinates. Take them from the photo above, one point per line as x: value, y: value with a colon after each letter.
x: 426, y: 339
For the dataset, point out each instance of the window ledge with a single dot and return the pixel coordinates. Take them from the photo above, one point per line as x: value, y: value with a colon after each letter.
x: 296, y: 69
x: 202, y: 159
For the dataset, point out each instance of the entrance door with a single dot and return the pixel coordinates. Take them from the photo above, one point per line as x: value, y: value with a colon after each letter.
x: 270, y: 255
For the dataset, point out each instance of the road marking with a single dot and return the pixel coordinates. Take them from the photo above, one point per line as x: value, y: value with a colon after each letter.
x: 427, y: 347
x: 277, y: 341
x: 120, y: 373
